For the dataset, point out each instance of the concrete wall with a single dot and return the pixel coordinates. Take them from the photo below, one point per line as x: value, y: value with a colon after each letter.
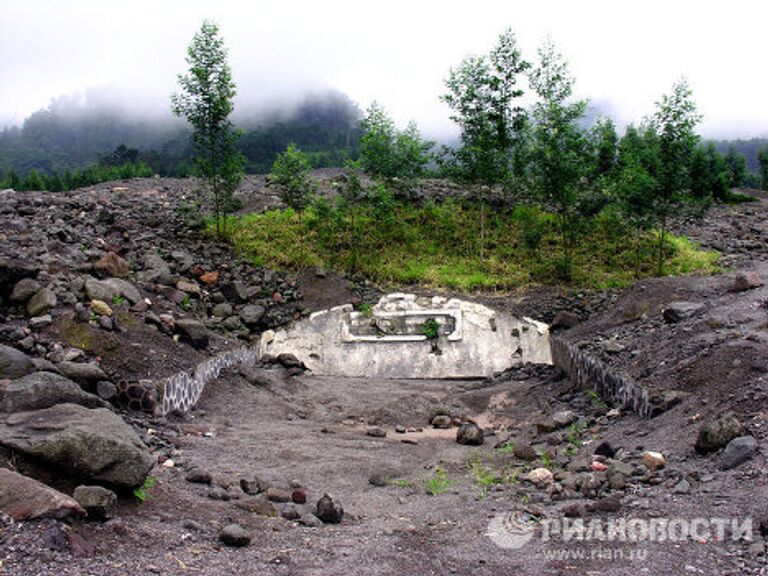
x: 479, y: 341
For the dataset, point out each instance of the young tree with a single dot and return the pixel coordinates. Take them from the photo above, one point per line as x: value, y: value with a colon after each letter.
x: 674, y: 122
x: 737, y: 167
x: 388, y: 153
x: 605, y: 144
x: 558, y: 145
x: 205, y: 100
x: 482, y: 93
x: 762, y: 158
x: 290, y: 172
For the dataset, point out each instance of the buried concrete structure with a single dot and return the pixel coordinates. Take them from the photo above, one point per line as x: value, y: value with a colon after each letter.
x: 405, y: 336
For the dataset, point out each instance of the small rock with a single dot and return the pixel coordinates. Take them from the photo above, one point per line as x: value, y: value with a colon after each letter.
x: 97, y: 501
x: 746, y: 281
x: 654, y: 460
x: 299, y: 496
x: 198, y: 476
x: 41, y: 302
x: 106, y: 390
x: 738, y: 451
x: 376, y: 432
x: 234, y: 535
x: 259, y: 506
x: 400, y: 429
x: 101, y: 308
x: 470, y: 434
x: 442, y: 421
x: 112, y: 265
x: 209, y: 278
x: 219, y: 493
x: 329, y: 510
x: 605, y: 449
x: 540, y: 477
x: 310, y: 520
x: 193, y: 332
x: 564, y: 320
x: 289, y: 511
x: 682, y: 487
x: 24, y: 289
x: 525, y: 451
x: 253, y: 485
x: 278, y: 495
x: 678, y: 311
x: 378, y: 479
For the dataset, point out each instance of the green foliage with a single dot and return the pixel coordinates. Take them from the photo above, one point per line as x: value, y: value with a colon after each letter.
x: 559, y: 148
x: 89, y: 176
x: 737, y: 167
x: 394, y: 241
x: 205, y: 101
x: 547, y: 460
x: 388, y: 153
x: 290, y: 173
x: 438, y: 483
x: 186, y: 303
x: 401, y: 482
x: 762, y: 158
x: 118, y: 300
x: 431, y: 329
x: 142, y: 493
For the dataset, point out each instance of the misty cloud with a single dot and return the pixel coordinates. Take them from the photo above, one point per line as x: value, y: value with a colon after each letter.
x: 624, y: 55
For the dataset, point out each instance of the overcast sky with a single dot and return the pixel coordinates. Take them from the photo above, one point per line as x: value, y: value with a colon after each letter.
x: 624, y: 55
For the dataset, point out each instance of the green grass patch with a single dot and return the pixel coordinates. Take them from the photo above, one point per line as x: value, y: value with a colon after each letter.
x: 438, y: 483
x: 438, y: 245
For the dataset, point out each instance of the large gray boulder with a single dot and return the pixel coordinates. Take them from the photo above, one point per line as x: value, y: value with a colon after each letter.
x: 14, y: 363
x: 42, y: 390
x: 94, y: 445
x: 717, y: 433
x: 88, y: 374
x: 23, y: 498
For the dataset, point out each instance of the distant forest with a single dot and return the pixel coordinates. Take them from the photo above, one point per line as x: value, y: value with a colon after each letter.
x: 68, y: 137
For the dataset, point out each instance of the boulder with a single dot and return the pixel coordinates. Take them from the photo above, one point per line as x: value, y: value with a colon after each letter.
x: 125, y: 289
x: 540, y: 477
x: 100, y: 290
x: 41, y: 302
x: 24, y: 498
x: 101, y: 308
x: 235, y: 291
x: 193, y: 332
x: 24, y: 290
x: 470, y: 434
x: 746, y: 281
x: 14, y: 363
x: 90, y: 444
x: 654, y: 460
x: 329, y: 510
x: 564, y: 320
x: 234, y: 535
x: 252, y: 314
x: 678, y: 311
x: 42, y: 390
x: 87, y: 374
x: 717, y: 433
x: 97, y: 501
x: 112, y: 265
x: 189, y: 287
x: 738, y: 451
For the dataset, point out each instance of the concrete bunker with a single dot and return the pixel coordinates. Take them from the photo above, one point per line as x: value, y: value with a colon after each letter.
x: 406, y: 336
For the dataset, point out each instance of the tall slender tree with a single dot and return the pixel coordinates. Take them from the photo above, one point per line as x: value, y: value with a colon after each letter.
x: 205, y: 100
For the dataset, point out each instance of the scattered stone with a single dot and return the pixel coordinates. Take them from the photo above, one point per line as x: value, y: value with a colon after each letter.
x: 329, y: 510
x: 717, y: 433
x: 524, y: 451
x: 299, y: 496
x: 97, y: 501
x: 88, y: 374
x: 564, y: 418
x: 442, y: 421
x: 198, y: 476
x: 95, y: 444
x: 42, y: 390
x: 682, y: 487
x: 126, y: 290
x: 470, y: 434
x: 112, y: 265
x: 605, y: 449
x: 289, y: 511
x: 654, y: 460
x: 376, y: 432
x: 278, y: 495
x: 253, y: 485
x: 575, y: 510
x: 540, y: 477
x: 223, y: 310
x: 100, y: 290
x: 101, y: 308
x: 679, y: 311
x: 24, y: 498
x: 310, y: 521
x: 400, y: 429
x: 106, y: 390
x: 564, y: 320
x: 209, y: 278
x: 14, y: 363
x: 235, y: 292
x: 738, y: 451
x: 288, y: 360
x: 378, y: 479
x: 217, y: 492
x: 24, y: 289
x: 41, y: 302
x: 259, y: 506
x: 746, y: 281
x: 193, y: 332
x: 234, y: 535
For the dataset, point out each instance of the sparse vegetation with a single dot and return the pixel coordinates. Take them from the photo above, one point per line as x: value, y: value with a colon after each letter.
x: 142, y: 493
x: 438, y: 482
